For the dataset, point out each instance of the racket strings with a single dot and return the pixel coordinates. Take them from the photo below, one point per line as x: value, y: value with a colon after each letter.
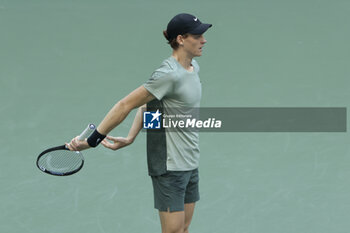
x: 60, y: 161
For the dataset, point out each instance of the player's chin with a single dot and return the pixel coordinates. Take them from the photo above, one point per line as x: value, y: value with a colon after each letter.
x: 198, y: 54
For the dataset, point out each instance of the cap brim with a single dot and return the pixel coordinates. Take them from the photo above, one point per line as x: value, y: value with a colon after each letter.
x: 200, y: 29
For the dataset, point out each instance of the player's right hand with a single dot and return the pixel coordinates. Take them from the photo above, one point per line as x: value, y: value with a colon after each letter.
x: 77, y: 145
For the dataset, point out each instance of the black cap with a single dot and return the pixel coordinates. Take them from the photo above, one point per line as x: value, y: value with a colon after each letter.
x: 185, y: 23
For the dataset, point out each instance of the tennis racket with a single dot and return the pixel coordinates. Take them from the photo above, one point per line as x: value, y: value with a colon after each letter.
x: 60, y: 161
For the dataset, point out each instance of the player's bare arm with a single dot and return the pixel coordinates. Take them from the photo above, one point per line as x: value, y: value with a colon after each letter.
x: 116, y: 115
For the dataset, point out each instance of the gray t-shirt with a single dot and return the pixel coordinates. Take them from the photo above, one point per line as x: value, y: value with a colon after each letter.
x: 179, y: 91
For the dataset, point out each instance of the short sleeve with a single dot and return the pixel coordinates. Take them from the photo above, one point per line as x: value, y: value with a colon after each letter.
x: 160, y: 84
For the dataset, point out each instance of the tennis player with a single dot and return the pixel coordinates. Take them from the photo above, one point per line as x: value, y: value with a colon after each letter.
x: 173, y: 157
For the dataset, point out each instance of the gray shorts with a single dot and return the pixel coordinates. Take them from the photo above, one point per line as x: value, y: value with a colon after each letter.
x: 174, y: 189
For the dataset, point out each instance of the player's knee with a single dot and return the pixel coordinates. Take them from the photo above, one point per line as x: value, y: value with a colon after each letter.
x: 187, y: 225
x: 176, y: 230
x: 186, y: 229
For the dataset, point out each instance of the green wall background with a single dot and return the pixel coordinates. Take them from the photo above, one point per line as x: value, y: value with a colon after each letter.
x: 65, y: 63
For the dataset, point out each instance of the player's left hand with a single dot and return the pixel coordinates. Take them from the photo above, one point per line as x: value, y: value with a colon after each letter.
x: 115, y: 143
x: 77, y: 145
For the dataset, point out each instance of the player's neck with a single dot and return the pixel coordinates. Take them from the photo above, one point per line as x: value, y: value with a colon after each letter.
x: 183, y: 58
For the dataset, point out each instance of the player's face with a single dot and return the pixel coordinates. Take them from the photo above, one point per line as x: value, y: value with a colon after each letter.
x: 193, y: 45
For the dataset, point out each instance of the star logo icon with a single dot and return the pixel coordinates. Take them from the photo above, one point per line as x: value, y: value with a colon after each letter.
x: 156, y: 115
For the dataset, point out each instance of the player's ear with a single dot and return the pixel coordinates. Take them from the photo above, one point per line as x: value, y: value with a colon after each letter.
x: 180, y: 40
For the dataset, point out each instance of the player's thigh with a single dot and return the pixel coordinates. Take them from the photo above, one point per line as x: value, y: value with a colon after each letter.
x: 189, y: 210
x: 172, y: 222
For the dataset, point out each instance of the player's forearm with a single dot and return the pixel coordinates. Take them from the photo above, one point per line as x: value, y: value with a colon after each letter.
x: 114, y: 117
x: 137, y: 124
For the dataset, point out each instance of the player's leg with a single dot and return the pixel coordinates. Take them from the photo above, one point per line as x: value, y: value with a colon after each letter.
x: 189, y: 209
x: 172, y: 222
x: 169, y: 196
x: 191, y: 197
x: 178, y: 221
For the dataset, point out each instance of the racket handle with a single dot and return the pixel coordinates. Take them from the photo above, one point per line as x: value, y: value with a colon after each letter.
x: 86, y: 133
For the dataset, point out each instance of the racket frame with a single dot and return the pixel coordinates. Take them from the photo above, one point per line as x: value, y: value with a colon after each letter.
x: 63, y: 147
x: 86, y: 133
